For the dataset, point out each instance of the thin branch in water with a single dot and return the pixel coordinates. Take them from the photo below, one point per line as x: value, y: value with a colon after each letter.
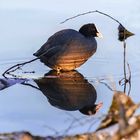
x: 124, y: 65
x: 13, y: 75
x: 123, y: 34
x: 18, y: 66
x: 129, y: 79
x: 122, y: 37
x: 89, y: 12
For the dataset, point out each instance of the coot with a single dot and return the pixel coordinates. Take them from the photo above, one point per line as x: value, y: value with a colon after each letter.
x: 68, y: 49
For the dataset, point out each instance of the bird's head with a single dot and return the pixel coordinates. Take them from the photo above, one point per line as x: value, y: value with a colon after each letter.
x: 90, y: 30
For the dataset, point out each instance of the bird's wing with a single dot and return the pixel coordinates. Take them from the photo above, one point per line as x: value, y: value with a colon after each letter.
x: 58, y: 41
x: 48, y: 53
x: 62, y: 36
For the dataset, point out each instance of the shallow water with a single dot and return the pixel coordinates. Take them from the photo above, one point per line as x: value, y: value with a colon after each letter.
x: 25, y: 27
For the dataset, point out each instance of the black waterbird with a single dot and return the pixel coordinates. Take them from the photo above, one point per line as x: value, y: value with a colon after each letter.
x: 68, y: 49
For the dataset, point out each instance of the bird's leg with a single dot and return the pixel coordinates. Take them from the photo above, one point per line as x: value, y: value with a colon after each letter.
x: 58, y: 70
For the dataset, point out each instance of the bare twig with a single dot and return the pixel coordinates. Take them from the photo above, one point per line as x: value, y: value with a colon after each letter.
x: 126, y: 80
x: 129, y: 80
x: 89, y: 12
x: 124, y: 65
x: 18, y: 66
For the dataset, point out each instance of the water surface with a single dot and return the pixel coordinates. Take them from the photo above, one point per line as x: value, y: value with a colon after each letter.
x: 25, y: 27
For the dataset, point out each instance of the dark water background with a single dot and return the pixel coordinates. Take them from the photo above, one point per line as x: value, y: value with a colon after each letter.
x: 26, y: 26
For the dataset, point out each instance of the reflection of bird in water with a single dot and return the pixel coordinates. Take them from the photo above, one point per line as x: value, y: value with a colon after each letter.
x: 70, y: 91
x: 68, y: 49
